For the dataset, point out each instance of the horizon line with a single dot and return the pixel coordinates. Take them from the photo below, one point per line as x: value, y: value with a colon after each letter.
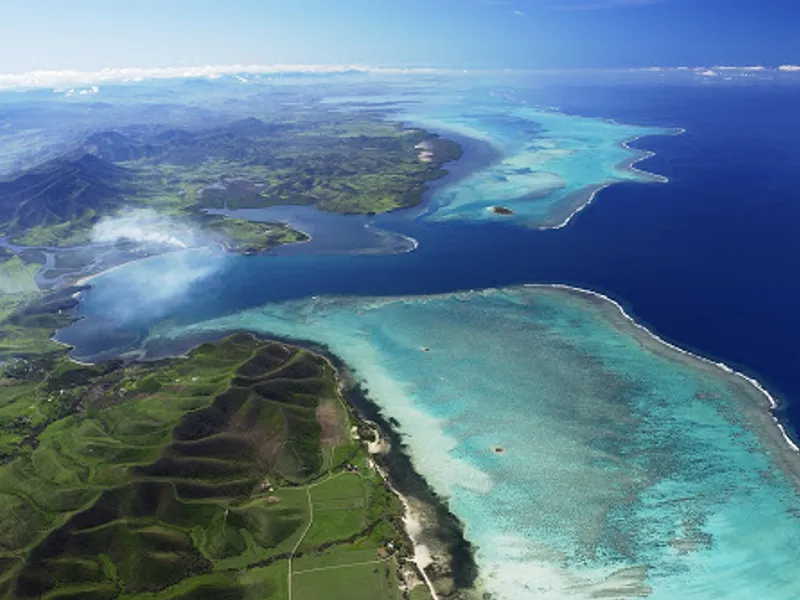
x: 53, y: 78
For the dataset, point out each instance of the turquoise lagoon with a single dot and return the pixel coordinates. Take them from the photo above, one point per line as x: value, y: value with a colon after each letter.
x: 552, y: 166
x: 628, y: 468
x: 549, y: 165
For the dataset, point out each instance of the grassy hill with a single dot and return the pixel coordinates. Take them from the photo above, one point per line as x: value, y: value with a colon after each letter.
x: 229, y: 474
x: 340, y: 162
x: 70, y: 189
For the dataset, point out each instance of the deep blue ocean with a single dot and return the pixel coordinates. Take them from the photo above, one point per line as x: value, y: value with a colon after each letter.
x: 709, y: 261
x: 712, y: 260
x: 626, y: 466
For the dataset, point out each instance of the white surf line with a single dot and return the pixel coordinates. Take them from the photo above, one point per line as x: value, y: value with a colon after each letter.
x: 414, y: 243
x: 577, y: 210
x: 645, y: 154
x: 773, y: 403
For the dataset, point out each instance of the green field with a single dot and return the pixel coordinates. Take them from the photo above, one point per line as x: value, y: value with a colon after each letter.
x: 344, y: 162
x: 364, y: 581
x: 27, y: 320
x: 228, y: 474
x: 243, y: 236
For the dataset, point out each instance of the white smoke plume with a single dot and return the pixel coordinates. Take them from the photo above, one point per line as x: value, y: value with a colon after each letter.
x: 184, y: 257
x: 145, y: 226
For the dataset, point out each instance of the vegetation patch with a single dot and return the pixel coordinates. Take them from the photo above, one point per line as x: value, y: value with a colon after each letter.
x: 344, y: 162
x: 203, y: 477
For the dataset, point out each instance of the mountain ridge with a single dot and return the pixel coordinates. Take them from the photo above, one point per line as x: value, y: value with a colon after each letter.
x: 62, y: 189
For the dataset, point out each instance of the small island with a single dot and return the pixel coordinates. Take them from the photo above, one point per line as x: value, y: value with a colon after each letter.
x: 501, y: 210
x: 250, y: 237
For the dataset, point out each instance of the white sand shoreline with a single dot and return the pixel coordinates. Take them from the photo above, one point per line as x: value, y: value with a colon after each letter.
x: 411, y: 523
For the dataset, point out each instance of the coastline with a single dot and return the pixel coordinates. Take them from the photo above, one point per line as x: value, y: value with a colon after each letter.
x: 443, y: 560
x: 451, y: 570
x: 746, y: 408
x: 442, y: 532
x: 744, y: 379
x: 627, y: 165
x: 433, y: 530
x: 587, y: 195
x: 772, y: 402
x: 377, y: 448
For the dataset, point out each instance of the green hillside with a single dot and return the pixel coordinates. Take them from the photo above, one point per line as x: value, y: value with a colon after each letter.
x: 70, y: 189
x: 338, y: 162
x: 228, y: 474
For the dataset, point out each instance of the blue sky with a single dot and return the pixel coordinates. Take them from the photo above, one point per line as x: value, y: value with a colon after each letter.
x: 96, y: 34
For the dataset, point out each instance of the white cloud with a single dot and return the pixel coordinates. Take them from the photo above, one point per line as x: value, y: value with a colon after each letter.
x: 81, y: 92
x: 65, y: 78
x: 164, y: 280
x: 789, y: 68
x: 144, y: 226
x: 519, y: 13
x: 711, y: 71
x: 734, y: 68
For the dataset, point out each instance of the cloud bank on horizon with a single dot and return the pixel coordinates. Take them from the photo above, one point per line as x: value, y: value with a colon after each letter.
x: 69, y: 81
x: 728, y: 71
x: 68, y: 77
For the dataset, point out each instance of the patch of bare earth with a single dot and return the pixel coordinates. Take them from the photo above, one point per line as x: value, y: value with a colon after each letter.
x: 330, y: 418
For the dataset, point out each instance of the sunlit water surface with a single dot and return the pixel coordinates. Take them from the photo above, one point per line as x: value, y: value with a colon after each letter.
x: 584, y: 458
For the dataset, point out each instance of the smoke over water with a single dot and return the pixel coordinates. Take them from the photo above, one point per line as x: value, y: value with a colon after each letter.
x: 146, y: 226
x: 159, y: 283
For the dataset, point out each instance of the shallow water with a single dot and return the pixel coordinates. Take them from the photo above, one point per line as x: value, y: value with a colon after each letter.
x: 330, y: 233
x: 552, y: 164
x: 625, y: 466
x: 627, y: 469
x: 549, y: 165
